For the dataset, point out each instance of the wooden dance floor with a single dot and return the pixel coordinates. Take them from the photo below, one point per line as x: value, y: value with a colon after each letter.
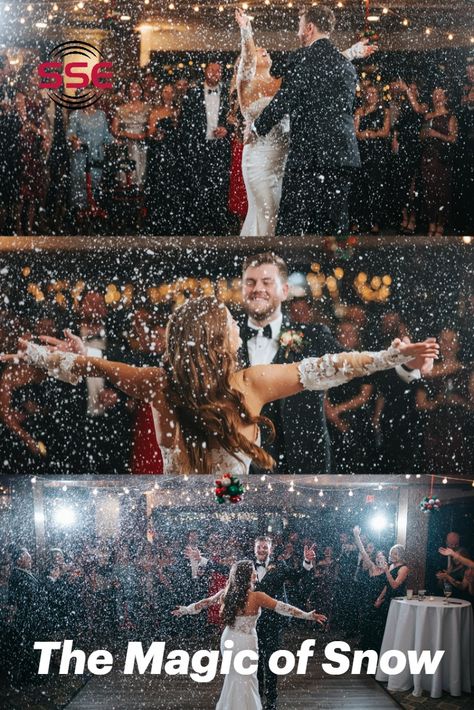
x: 304, y: 692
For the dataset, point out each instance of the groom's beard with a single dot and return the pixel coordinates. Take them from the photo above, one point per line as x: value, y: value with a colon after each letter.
x: 263, y: 314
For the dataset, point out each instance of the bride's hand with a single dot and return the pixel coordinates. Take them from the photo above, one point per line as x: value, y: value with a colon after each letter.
x: 422, y: 354
x: 320, y: 618
x: 71, y: 344
x: 179, y: 611
x: 241, y: 18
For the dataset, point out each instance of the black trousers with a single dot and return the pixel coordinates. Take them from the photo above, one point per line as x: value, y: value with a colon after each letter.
x: 268, y: 642
x: 314, y: 200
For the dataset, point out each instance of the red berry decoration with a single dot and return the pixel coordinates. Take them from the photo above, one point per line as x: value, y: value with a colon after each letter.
x: 429, y: 504
x: 229, y: 489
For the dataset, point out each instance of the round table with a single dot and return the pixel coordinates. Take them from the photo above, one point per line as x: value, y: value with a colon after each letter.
x: 431, y: 625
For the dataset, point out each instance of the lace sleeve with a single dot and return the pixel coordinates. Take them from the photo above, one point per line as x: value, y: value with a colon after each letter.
x: 322, y: 373
x: 357, y: 51
x: 248, y: 61
x: 57, y: 364
x: 288, y: 610
x: 197, y: 607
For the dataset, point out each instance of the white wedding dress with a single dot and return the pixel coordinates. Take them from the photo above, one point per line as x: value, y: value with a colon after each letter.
x: 263, y: 165
x: 240, y: 692
x: 315, y: 373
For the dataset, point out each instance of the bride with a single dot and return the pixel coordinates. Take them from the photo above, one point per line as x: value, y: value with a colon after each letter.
x: 208, y: 411
x: 240, y: 610
x: 263, y: 161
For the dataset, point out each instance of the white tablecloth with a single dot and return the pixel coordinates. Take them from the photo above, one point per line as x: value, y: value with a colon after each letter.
x: 431, y: 625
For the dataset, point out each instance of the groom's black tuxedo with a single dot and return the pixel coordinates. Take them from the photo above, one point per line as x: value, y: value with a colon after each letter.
x: 318, y: 92
x: 270, y: 624
x: 301, y: 443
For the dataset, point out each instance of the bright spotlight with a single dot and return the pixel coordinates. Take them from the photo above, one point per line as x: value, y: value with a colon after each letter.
x: 378, y: 523
x: 64, y: 516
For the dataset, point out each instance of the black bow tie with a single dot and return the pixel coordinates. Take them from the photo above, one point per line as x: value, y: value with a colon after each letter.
x: 248, y: 332
x: 213, y: 91
x: 261, y: 564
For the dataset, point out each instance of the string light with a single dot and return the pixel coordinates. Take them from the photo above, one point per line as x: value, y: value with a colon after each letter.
x: 385, y: 11
x: 427, y: 31
x: 55, y: 7
x: 171, y: 6
x: 94, y: 492
x: 64, y: 488
x: 321, y: 493
x: 351, y: 493
x: 450, y: 36
x: 29, y: 8
x: 405, y: 22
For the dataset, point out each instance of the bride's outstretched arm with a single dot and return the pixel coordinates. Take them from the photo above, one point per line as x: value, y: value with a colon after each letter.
x: 360, y: 50
x: 137, y: 382
x: 197, y: 607
x: 248, y: 56
x: 268, y: 602
x: 271, y: 382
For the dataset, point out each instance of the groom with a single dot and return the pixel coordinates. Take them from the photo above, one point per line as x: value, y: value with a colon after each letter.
x: 301, y: 443
x: 272, y: 577
x: 318, y: 93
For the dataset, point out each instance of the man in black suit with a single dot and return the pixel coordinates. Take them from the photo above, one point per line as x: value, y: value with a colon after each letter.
x: 301, y: 443
x: 205, y: 140
x: 317, y: 92
x: 272, y: 578
x: 25, y: 596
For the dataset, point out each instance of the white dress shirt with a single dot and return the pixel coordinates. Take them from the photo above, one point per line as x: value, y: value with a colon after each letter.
x: 212, y: 102
x: 262, y: 350
x: 95, y: 385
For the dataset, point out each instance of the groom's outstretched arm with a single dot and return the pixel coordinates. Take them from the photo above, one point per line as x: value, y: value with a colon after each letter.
x: 283, y: 101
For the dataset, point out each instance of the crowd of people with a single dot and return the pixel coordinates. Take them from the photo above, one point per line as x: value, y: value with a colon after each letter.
x: 376, y: 425
x: 165, y: 158
x: 106, y: 593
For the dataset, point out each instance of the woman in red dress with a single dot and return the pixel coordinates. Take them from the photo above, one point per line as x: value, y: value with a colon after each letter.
x: 237, y: 193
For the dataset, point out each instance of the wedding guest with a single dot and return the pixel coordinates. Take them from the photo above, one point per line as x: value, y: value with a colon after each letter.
x: 349, y: 411
x: 406, y: 144
x: 438, y: 135
x: 58, y: 165
x: 238, y: 204
x: 87, y: 134
x: 372, y: 126
x: 24, y: 595
x: 31, y: 108
x: 129, y: 127
x: 443, y: 399
x: 10, y: 151
x: 396, y: 575
x: 464, y: 157
x: 164, y: 186
x: 372, y: 619
x: 205, y: 136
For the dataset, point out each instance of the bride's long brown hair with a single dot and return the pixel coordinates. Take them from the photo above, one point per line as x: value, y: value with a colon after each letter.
x: 200, y: 364
x: 236, y: 591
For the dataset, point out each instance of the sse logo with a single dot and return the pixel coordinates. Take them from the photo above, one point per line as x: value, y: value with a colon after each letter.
x: 91, y: 75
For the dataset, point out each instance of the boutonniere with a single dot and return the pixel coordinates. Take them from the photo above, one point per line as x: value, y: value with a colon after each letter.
x: 292, y: 341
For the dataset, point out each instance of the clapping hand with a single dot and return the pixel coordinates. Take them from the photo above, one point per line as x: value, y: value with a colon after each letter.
x: 309, y: 553
x: 356, y: 530
x: 192, y: 553
x: 446, y: 551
